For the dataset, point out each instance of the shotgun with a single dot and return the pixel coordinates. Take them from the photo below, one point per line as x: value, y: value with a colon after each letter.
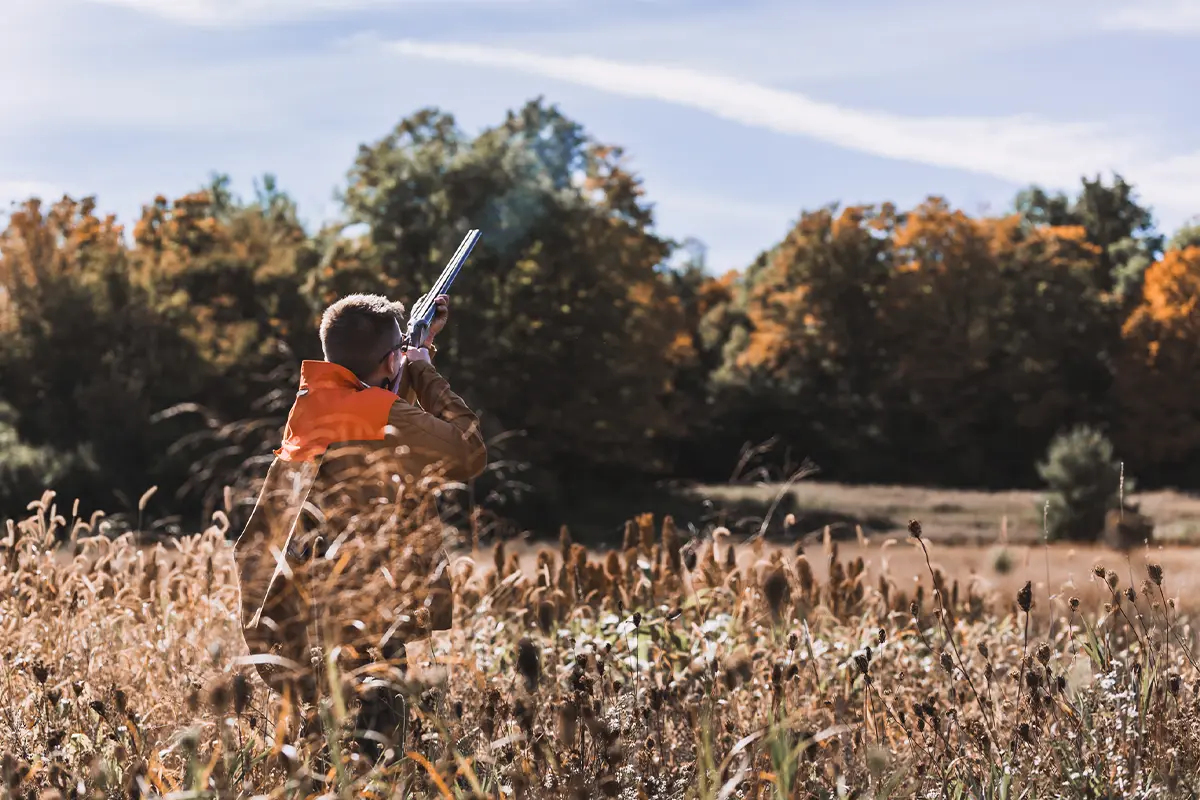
x: 423, y: 311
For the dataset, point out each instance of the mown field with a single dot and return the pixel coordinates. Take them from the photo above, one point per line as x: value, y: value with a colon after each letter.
x: 951, y: 516
x: 670, y: 667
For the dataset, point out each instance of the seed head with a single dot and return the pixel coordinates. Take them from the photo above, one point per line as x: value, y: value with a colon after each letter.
x: 545, y: 616
x: 914, y: 528
x: 1025, y: 597
x: 1074, y: 603
x: 689, y: 558
x: 1131, y: 595
x: 1156, y: 573
x: 862, y: 663
x: 242, y: 692
x: 1044, y: 653
x: 983, y: 649
x: 776, y: 590
x: 1099, y: 571
x: 529, y: 663
x: 1112, y: 579
x: 219, y: 698
x: 947, y: 662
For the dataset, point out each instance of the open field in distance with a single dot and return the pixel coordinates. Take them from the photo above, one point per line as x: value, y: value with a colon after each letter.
x: 952, y: 516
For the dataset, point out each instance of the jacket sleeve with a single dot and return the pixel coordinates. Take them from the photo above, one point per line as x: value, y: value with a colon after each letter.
x: 441, y: 430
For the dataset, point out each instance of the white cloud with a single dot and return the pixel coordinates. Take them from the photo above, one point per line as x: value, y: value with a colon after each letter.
x: 228, y: 13
x: 1181, y: 17
x: 1019, y: 149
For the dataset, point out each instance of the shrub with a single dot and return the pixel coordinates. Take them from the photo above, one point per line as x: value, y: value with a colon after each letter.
x: 26, y: 469
x: 1084, y: 481
x: 1002, y: 561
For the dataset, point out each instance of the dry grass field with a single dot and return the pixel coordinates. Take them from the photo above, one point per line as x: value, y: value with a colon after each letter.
x: 895, y: 666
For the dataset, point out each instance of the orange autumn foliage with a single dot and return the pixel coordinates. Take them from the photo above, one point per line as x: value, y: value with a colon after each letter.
x: 1159, y: 374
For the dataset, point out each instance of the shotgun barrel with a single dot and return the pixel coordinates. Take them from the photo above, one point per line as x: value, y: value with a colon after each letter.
x: 424, y: 309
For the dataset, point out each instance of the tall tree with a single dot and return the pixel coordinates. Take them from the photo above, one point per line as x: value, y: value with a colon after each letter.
x: 1159, y: 427
x: 565, y: 327
x: 1113, y: 220
x: 804, y: 352
x: 85, y: 356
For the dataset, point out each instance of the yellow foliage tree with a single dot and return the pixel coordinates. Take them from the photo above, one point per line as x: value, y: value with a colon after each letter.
x: 1159, y: 376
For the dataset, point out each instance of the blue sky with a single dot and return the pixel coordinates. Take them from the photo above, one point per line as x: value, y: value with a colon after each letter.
x: 737, y: 116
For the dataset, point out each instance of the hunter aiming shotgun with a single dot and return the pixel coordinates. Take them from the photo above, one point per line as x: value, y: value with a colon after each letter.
x: 420, y: 320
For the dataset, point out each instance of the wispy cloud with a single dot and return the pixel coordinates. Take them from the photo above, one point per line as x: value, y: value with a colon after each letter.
x: 230, y: 13
x: 1019, y: 149
x: 1179, y: 17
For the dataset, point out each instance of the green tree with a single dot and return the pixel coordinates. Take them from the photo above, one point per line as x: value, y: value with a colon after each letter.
x: 804, y: 354
x: 565, y: 327
x: 86, y: 359
x: 1113, y: 219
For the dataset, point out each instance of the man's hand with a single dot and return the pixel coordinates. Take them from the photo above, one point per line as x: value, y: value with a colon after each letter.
x: 440, y: 316
x: 416, y: 354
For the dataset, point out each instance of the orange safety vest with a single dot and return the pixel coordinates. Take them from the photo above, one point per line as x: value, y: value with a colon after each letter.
x: 332, y: 406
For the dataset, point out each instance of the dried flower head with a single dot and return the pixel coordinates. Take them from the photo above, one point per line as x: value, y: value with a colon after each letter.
x: 863, y: 664
x: 219, y: 697
x: 529, y: 663
x: 242, y: 692
x: 1156, y: 573
x: 776, y: 591
x: 914, y: 528
x: 1025, y: 597
x: 545, y: 616
x: 1044, y: 653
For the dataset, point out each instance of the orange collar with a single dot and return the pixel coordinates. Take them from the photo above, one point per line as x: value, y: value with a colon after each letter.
x: 327, y: 375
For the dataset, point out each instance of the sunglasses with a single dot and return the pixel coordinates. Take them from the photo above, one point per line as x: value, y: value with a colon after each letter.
x: 400, y: 346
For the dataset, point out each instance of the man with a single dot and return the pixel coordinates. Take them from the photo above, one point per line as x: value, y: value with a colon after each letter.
x: 370, y: 402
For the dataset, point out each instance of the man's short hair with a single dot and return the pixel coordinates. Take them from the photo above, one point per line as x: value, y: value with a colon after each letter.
x: 359, y: 330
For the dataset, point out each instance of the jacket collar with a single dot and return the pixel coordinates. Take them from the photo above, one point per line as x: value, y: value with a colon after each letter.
x: 327, y: 375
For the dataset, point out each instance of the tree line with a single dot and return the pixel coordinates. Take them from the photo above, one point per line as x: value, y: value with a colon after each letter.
x: 923, y: 345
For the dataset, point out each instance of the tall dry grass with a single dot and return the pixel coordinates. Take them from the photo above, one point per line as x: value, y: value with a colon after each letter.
x: 666, y: 668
